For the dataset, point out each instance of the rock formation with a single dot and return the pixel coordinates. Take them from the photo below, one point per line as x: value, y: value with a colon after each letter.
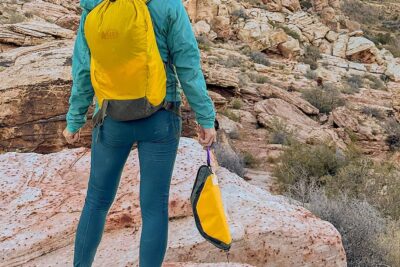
x: 42, y: 196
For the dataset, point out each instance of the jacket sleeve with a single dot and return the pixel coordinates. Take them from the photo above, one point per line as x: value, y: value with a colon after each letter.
x: 185, y: 55
x: 82, y: 91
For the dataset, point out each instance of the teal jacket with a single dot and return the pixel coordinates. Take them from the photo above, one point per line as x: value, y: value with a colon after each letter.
x: 175, y: 37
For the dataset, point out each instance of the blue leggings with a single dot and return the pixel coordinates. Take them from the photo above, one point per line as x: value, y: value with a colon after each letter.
x: 157, y: 138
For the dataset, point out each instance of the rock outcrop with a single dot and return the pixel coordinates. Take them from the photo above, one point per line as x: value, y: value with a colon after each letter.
x: 42, y: 196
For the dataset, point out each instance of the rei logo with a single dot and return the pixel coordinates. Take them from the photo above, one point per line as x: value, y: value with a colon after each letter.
x: 109, y: 34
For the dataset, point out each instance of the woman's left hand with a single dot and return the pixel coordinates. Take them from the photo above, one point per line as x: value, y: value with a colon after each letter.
x: 71, y: 137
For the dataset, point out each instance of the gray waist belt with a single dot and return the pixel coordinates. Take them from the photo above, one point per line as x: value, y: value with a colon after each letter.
x: 125, y: 110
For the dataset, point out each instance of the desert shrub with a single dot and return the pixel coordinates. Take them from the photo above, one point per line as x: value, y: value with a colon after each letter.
x: 306, y: 4
x: 302, y: 162
x: 259, y: 58
x: 243, y: 79
x: 373, y: 112
x: 352, y: 178
x: 203, y: 42
x: 324, y: 98
x: 237, y: 103
x: 359, y: 224
x: 258, y: 78
x: 353, y: 84
x: 382, y: 38
x: 291, y: 32
x: 310, y: 74
x: 375, y: 82
x: 230, y: 115
x: 234, y: 134
x: 15, y: 17
x: 248, y: 159
x: 392, y: 128
x: 305, y: 166
x: 361, y: 12
x: 280, y: 132
x: 28, y: 14
x: 311, y: 56
x: 239, y: 13
x: 394, y: 47
x: 390, y: 242
x: 232, y: 61
x: 286, y: 29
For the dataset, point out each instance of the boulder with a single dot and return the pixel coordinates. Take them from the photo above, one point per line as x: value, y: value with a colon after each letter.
x: 34, y: 95
x: 201, y: 27
x: 343, y: 118
x: 202, y: 9
x: 221, y: 26
x: 63, y: 15
x: 42, y: 197
x: 327, y: 14
x: 272, y: 91
x: 292, y: 5
x: 319, y: 5
x: 33, y: 33
x: 290, y: 48
x: 340, y: 46
x: 303, y: 128
x: 393, y: 70
x: 362, y: 50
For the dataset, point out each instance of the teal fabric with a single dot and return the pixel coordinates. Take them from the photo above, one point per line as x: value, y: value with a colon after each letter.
x: 157, y: 138
x: 175, y: 39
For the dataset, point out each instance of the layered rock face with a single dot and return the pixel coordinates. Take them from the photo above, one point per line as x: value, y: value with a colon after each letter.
x: 42, y: 197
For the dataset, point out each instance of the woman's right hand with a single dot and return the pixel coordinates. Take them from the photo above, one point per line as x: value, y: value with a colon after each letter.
x: 71, y: 137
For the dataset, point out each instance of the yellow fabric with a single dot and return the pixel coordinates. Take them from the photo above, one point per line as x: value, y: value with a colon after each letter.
x: 125, y: 60
x: 211, y: 213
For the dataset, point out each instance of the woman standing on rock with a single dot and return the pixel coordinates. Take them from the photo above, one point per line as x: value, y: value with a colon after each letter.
x: 117, y: 58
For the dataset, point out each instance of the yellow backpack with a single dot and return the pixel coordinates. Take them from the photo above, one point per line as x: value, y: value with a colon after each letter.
x: 126, y: 69
x: 208, y: 208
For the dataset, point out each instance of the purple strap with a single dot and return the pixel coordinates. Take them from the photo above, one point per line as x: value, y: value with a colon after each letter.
x: 208, y: 156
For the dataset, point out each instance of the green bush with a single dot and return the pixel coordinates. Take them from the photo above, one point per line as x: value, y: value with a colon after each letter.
x: 280, y: 133
x: 304, y: 166
x: 361, y: 12
x: 373, y: 112
x: 249, y: 159
x: 360, y: 225
x: 390, y: 242
x: 232, y: 61
x: 353, y: 84
x: 310, y: 74
x: 392, y: 128
x: 230, y: 115
x: 258, y: 78
x: 302, y: 162
x: 259, y: 58
x: 375, y: 82
x: 324, y: 98
x: 240, y: 13
x: 237, y: 103
x: 306, y: 4
x: 286, y: 29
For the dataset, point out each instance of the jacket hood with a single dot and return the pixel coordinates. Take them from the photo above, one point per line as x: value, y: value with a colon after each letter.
x: 89, y: 4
